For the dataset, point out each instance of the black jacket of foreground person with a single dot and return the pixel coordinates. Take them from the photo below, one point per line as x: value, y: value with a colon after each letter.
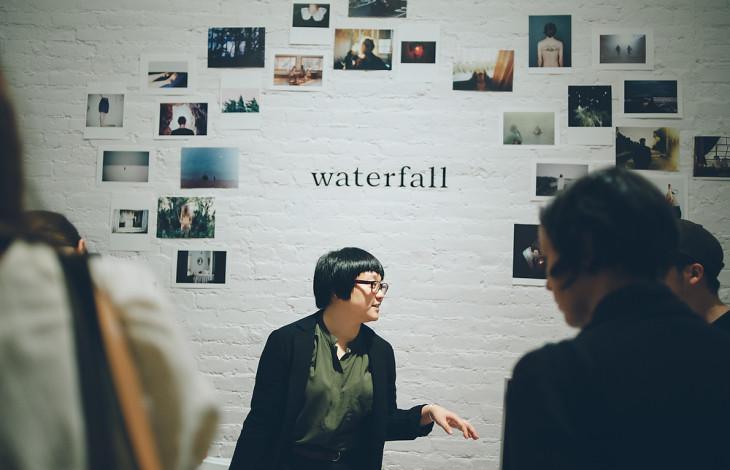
x: 278, y: 397
x: 645, y: 385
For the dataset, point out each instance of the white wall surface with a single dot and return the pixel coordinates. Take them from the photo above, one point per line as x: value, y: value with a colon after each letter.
x: 456, y: 322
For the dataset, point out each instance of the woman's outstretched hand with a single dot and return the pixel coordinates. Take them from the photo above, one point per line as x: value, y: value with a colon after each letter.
x: 447, y: 420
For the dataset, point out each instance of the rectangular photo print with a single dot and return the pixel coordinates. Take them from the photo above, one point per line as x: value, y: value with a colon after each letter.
x: 550, y: 43
x: 196, y: 269
x: 310, y: 23
x: 675, y: 190
x: 652, y: 99
x: 711, y: 157
x: 589, y: 106
x: 531, y: 128
x: 166, y: 75
x: 623, y: 49
x: 418, y: 52
x: 130, y: 222
x: 377, y: 8
x: 298, y: 71
x: 208, y: 167
x: 363, y: 49
x: 552, y: 178
x: 185, y: 217
x: 236, y: 47
x: 121, y: 165
x: 180, y: 120
x: 240, y: 103
x: 528, y: 260
x: 484, y: 71
x: 105, y: 112
x: 647, y: 148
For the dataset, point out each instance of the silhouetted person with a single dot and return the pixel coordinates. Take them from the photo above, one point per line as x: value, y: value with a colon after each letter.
x: 182, y: 130
x: 642, y: 156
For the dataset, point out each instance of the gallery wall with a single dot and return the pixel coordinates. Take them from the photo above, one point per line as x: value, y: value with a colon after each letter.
x: 456, y: 320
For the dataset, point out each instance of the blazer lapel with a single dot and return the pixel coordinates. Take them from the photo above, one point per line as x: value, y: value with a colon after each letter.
x: 302, y: 347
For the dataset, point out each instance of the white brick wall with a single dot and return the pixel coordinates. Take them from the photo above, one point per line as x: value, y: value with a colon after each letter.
x: 456, y: 322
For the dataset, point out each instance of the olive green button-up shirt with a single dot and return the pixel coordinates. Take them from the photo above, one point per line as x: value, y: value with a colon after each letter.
x: 338, y: 396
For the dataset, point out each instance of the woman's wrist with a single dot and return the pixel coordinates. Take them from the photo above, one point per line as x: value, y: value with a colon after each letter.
x: 426, y: 416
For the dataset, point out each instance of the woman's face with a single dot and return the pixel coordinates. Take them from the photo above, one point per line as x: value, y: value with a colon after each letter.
x: 364, y: 302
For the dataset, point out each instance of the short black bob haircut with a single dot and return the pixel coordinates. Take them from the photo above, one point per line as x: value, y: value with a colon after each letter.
x: 337, y: 270
x: 612, y: 219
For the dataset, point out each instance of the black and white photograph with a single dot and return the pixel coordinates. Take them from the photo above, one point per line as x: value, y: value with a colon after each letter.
x: 236, y: 47
x: 298, y: 71
x: 550, y: 44
x: 310, y: 23
x: 623, y: 49
x: 185, y: 217
x: 363, y: 49
x: 166, y: 75
x: 105, y: 112
x: 711, y: 157
x: 529, y: 128
x: 674, y: 188
x: 377, y: 8
x: 652, y: 99
x: 130, y: 221
x: 647, y: 148
x: 202, y: 268
x: 552, y: 178
x: 528, y: 260
x: 208, y: 167
x: 180, y: 120
x: 124, y: 165
x: 484, y: 71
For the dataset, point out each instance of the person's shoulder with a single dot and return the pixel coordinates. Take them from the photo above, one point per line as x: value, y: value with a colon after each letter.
x: 303, y: 324
x: 548, y: 359
x: 124, y: 280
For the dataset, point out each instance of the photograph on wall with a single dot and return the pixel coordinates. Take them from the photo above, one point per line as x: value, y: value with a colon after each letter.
x: 236, y: 47
x: 530, y: 128
x: 123, y: 165
x: 711, y: 157
x: 377, y: 8
x: 203, y: 268
x: 310, y: 23
x: 652, y: 99
x: 417, y: 53
x: 528, y: 261
x: 105, y: 112
x: 483, y: 70
x: 208, y: 167
x: 550, y: 43
x: 623, y: 49
x: 298, y: 71
x: 166, y: 75
x: 130, y: 222
x: 240, y: 102
x: 675, y: 191
x: 590, y: 115
x: 181, y: 120
x: 363, y: 49
x: 647, y: 148
x: 552, y: 178
x: 185, y: 217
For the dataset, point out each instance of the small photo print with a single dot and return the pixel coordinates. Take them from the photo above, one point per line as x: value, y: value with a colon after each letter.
x: 552, y: 178
x: 623, y: 49
x: 166, y: 75
x: 105, y: 110
x: 529, y: 128
x: 528, y: 260
x: 311, y: 15
x: 647, y: 148
x: 125, y: 166
x: 418, y: 52
x: 363, y: 49
x: 589, y: 106
x: 651, y: 98
x: 490, y: 71
x: 377, y: 8
x: 240, y: 100
x: 674, y: 188
x: 236, y: 47
x: 130, y: 221
x: 298, y: 71
x: 182, y: 120
x: 200, y: 268
x: 209, y: 167
x: 185, y: 217
x: 711, y: 157
x: 550, y: 43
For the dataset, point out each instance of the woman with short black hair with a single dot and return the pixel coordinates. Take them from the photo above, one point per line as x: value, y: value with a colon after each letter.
x: 324, y: 396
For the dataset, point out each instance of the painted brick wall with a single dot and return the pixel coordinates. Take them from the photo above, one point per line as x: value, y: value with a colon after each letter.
x: 456, y: 322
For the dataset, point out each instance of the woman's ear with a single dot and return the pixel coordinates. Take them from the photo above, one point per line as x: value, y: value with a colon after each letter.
x: 81, y: 247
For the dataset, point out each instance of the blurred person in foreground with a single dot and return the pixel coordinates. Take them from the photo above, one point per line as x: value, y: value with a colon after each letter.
x: 44, y: 418
x: 55, y: 230
x: 645, y: 382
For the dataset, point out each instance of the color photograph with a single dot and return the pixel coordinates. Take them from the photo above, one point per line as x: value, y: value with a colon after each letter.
x: 363, y: 49
x: 125, y: 166
x: 166, y: 75
x: 550, y: 43
x: 552, y: 178
x: 484, y: 71
x: 418, y: 52
x: 377, y: 8
x: 239, y: 100
x: 647, y: 148
x: 623, y: 49
x: 182, y: 120
x: 299, y: 72
x: 236, y: 47
x: 208, y: 167
x: 529, y: 128
x: 528, y: 261
x: 652, y: 99
x: 711, y: 157
x: 204, y: 268
x: 185, y: 217
x: 589, y: 106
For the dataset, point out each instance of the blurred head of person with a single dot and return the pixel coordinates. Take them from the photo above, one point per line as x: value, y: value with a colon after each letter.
x: 609, y: 229
x: 56, y: 230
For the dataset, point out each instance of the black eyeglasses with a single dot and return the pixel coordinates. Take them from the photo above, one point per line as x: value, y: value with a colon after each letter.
x: 375, y: 286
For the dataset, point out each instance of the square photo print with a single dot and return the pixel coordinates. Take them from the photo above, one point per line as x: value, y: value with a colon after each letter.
x: 204, y: 268
x: 484, y: 71
x: 130, y: 221
x: 589, y: 106
x: 528, y: 261
x: 105, y: 112
x: 363, y: 49
x: 185, y: 217
x: 550, y: 43
x: 647, y: 148
x: 236, y: 47
x: 711, y: 157
x: 310, y: 23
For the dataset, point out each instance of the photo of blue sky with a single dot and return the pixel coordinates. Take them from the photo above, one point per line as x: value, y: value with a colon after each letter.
x: 209, y: 167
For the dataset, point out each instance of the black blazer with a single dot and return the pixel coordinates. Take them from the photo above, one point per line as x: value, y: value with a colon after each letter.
x: 645, y: 385
x: 278, y: 397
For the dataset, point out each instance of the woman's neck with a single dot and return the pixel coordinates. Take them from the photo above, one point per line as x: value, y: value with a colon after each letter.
x: 340, y: 323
